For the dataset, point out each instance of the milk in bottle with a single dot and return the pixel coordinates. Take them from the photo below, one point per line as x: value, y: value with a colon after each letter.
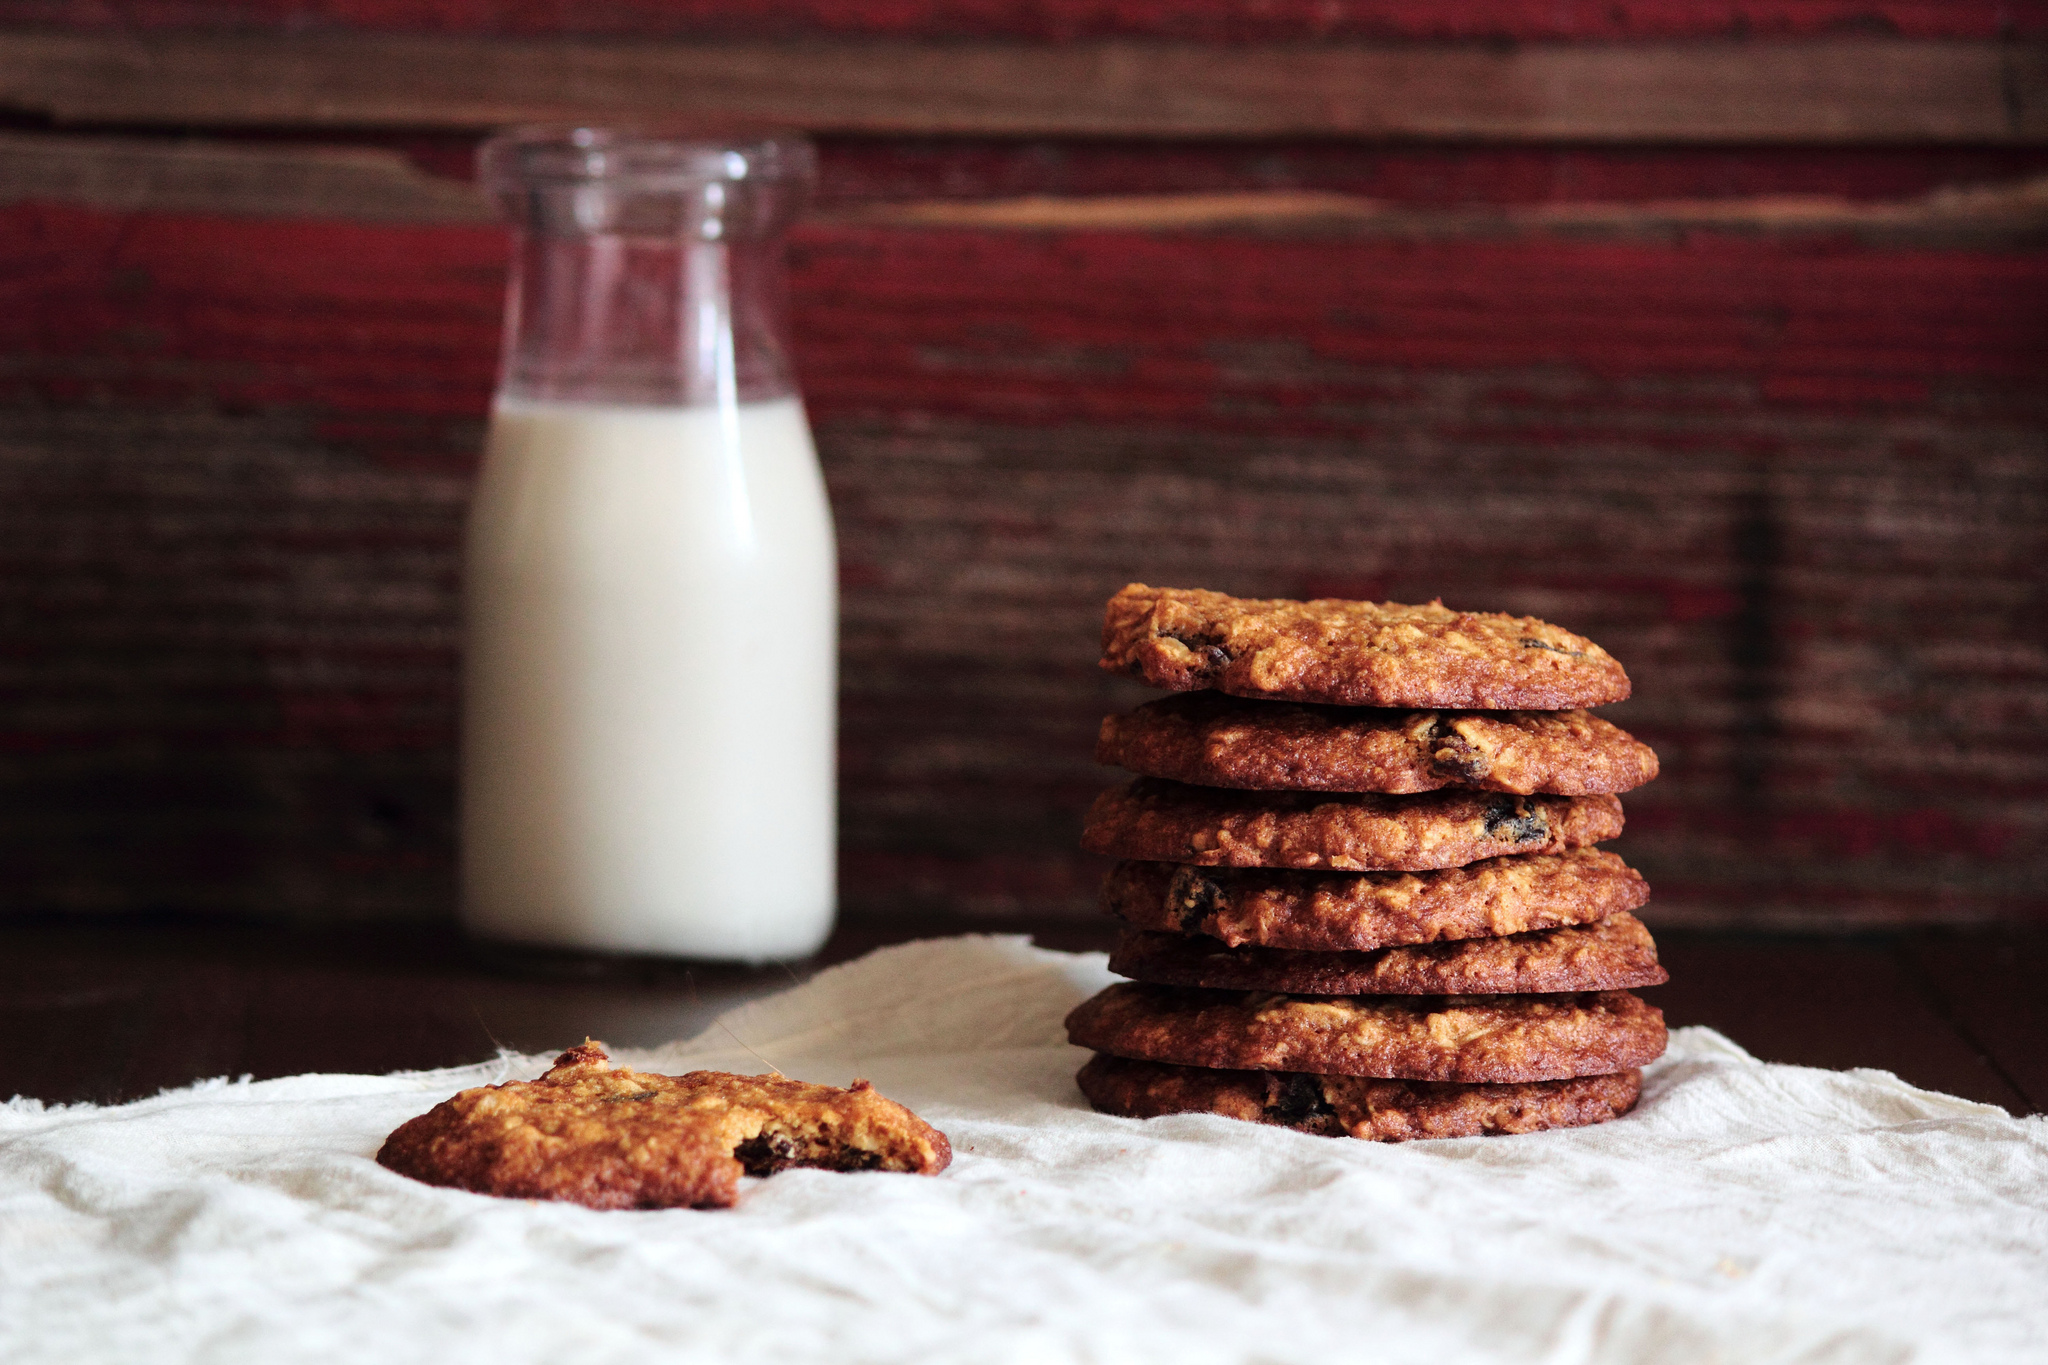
x: 650, y: 584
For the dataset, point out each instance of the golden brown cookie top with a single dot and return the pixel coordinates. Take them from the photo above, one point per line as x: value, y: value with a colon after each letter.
x: 611, y: 1138
x: 1151, y: 818
x: 1616, y: 953
x: 1353, y: 653
x: 1214, y: 740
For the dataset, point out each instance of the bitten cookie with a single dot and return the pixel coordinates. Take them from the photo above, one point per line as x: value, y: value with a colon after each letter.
x: 1617, y: 953
x: 1213, y: 740
x: 1353, y: 911
x: 1161, y: 821
x: 610, y: 1138
x: 1355, y: 1106
x: 1353, y: 653
x: 1497, y: 1038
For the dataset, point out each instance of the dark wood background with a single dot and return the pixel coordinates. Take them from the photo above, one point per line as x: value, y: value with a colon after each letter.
x: 1714, y: 329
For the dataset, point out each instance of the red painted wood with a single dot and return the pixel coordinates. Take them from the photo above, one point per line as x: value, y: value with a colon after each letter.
x: 252, y: 314
x: 854, y: 171
x: 1297, y: 335
x: 1223, y: 330
x: 1799, y: 485
x: 1209, y: 21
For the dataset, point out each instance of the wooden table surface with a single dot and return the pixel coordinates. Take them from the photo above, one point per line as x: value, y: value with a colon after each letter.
x: 116, y: 1011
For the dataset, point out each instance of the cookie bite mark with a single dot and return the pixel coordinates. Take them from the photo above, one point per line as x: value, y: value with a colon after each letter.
x: 801, y: 1139
x: 612, y: 1138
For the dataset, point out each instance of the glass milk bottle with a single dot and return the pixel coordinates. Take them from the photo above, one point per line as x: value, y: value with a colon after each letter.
x: 651, y: 601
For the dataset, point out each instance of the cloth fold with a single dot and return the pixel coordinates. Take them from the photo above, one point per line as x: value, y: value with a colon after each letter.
x: 1745, y: 1211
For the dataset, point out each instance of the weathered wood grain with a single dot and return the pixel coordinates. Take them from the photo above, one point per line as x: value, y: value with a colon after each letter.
x: 866, y: 170
x: 2011, y: 213
x: 189, y: 175
x: 374, y: 184
x: 1798, y: 485
x: 423, y: 176
x: 1207, y: 21
x: 1832, y: 90
x: 1714, y: 328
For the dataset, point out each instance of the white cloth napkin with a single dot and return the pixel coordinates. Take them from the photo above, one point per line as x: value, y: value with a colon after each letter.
x: 1744, y: 1213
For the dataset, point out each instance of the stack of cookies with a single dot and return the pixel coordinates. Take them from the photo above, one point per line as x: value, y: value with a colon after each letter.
x: 1360, y: 887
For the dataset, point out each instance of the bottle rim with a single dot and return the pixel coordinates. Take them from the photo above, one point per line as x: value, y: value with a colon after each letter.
x: 641, y: 158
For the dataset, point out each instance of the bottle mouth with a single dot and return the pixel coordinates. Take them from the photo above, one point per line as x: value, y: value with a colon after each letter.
x: 641, y: 159
x: 636, y: 182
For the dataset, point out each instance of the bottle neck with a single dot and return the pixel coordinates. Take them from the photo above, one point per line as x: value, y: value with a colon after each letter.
x: 671, y: 320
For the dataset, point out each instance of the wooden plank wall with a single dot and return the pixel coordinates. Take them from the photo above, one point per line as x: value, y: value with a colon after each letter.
x: 1715, y: 330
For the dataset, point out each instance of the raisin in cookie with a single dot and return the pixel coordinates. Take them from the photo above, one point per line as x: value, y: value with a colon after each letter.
x: 1353, y: 653
x: 1496, y: 1038
x: 594, y: 1134
x: 1355, y: 911
x: 1356, y: 1106
x: 1213, y: 740
x: 1616, y: 953
x: 1163, y: 821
